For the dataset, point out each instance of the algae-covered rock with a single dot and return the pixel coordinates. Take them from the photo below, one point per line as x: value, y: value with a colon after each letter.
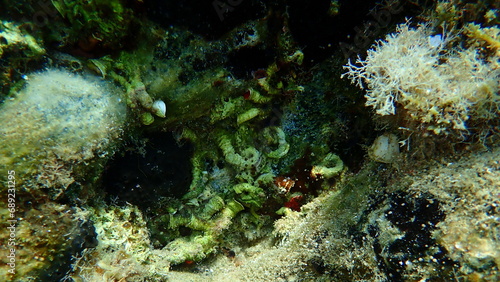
x: 55, y: 127
x: 440, y: 224
x: 19, y: 47
x: 56, y: 132
x: 123, y: 251
x: 43, y: 241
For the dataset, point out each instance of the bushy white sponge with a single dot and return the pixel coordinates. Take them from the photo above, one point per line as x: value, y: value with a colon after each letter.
x: 440, y: 88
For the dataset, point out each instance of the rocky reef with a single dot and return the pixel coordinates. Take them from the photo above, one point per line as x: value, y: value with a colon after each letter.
x: 223, y: 140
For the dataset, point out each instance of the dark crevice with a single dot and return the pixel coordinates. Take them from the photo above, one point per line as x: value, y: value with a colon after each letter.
x: 141, y: 177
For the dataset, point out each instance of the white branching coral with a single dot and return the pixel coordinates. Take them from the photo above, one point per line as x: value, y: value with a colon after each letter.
x: 439, y: 87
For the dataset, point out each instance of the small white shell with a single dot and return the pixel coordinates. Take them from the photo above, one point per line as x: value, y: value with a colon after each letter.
x: 159, y: 108
x: 385, y: 149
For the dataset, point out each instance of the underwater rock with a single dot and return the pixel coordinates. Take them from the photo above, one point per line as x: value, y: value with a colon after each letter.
x: 56, y: 133
x: 55, y: 127
x: 437, y: 224
x: 48, y: 239
x: 123, y: 251
x: 385, y: 149
x: 18, y: 48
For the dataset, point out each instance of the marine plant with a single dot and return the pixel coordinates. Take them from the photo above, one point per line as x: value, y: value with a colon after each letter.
x: 417, y: 73
x: 95, y: 22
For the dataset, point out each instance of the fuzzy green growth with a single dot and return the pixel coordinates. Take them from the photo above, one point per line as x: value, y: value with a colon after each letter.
x: 18, y: 48
x: 105, y: 21
x: 250, y: 195
x: 58, y: 123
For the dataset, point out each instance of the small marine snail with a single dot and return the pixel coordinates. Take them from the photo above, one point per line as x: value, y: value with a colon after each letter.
x: 159, y: 108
